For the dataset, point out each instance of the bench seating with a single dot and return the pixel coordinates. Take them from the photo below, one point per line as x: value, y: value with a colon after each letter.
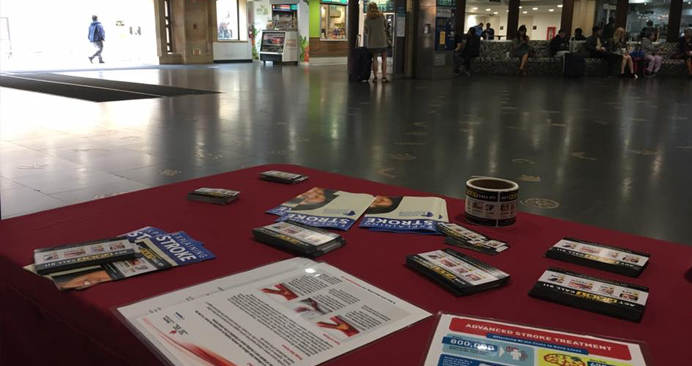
x: 495, y: 59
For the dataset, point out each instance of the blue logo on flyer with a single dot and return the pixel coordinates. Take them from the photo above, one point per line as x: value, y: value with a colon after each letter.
x: 399, y: 225
x: 447, y: 360
x: 181, y: 248
x: 145, y: 232
x: 319, y: 221
x: 488, y: 350
x: 279, y: 210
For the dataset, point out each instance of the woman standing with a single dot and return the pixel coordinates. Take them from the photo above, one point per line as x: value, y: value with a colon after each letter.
x: 618, y: 46
x: 520, y: 48
x: 375, y: 28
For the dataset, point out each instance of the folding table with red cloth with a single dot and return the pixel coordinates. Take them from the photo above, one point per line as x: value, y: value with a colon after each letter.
x: 42, y: 325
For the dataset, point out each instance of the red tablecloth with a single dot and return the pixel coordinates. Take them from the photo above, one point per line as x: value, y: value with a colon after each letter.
x: 41, y: 324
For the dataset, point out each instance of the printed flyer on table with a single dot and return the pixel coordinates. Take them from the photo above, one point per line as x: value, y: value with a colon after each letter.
x: 466, y: 341
x: 302, y: 317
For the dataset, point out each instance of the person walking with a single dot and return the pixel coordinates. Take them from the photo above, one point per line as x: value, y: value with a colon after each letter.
x: 375, y: 28
x: 618, y: 46
x: 520, y: 49
x: 96, y: 36
x: 651, y: 55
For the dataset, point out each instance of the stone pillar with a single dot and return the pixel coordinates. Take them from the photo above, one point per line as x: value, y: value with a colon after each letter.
x: 674, y: 20
x: 460, y: 18
x: 567, y: 15
x: 353, y: 26
x: 513, y: 19
x: 192, y: 30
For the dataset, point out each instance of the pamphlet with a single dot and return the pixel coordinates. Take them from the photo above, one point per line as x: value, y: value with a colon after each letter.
x: 282, y: 177
x: 159, y: 251
x: 329, y: 208
x: 605, y: 257
x: 301, y: 317
x: 314, y: 194
x: 617, y: 299
x: 467, y: 341
x: 299, y: 238
x: 405, y: 214
x: 462, y: 237
x: 69, y: 257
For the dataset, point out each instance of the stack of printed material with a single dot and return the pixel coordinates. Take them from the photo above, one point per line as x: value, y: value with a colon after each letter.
x: 613, y: 259
x: 68, y: 257
x: 213, y: 195
x: 405, y: 214
x: 156, y: 250
x: 617, y: 299
x: 326, y: 208
x: 298, y: 238
x: 456, y: 272
x: 282, y: 177
x: 462, y: 237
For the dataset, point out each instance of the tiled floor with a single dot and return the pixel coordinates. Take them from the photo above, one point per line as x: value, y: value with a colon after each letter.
x: 613, y: 153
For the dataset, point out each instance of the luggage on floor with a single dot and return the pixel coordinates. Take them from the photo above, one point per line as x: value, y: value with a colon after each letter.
x: 360, y: 65
x: 574, y: 65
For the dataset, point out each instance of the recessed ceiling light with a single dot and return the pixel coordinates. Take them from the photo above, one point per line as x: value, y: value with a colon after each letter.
x: 520, y: 7
x: 551, y: 10
x: 559, y: 6
x: 474, y: 8
x: 535, y: 8
x: 496, y: 12
x: 488, y: 9
x: 525, y: 12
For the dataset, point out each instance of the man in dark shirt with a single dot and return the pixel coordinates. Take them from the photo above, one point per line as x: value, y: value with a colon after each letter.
x: 609, y: 29
x: 579, y: 35
x: 596, y: 47
x: 488, y: 33
x: 686, y: 49
x: 559, y: 45
x: 468, y: 48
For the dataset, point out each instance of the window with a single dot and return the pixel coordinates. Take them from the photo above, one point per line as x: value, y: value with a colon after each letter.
x: 231, y: 19
x: 167, y: 25
x: 686, y: 21
x: 333, y: 20
x: 643, y: 11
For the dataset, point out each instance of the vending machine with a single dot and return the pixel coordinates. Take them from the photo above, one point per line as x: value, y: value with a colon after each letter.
x: 436, y: 39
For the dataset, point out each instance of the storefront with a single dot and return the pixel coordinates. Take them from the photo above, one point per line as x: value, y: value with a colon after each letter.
x: 329, y: 31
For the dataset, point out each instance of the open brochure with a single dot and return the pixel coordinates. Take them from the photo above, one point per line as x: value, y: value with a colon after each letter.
x: 326, y: 208
x: 405, y: 214
x: 301, y: 316
x: 462, y: 340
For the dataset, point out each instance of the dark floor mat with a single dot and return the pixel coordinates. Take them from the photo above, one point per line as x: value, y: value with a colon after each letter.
x: 159, y: 90
x: 68, y: 90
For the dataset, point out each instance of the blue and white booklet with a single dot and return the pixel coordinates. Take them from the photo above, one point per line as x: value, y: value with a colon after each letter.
x: 329, y: 208
x: 405, y: 214
x: 159, y: 250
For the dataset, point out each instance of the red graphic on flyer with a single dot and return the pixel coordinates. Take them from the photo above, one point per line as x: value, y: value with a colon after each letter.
x: 592, y: 346
x: 339, y: 324
x: 281, y: 290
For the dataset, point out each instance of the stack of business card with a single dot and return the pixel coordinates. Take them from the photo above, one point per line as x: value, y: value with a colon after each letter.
x: 462, y: 237
x: 213, y: 195
x: 298, y: 238
x: 617, y: 299
x: 613, y: 259
x: 456, y: 272
x: 67, y: 257
x: 282, y: 177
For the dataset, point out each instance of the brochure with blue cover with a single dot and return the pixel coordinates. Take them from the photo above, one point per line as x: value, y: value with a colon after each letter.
x: 159, y: 250
x: 314, y: 194
x: 405, y: 214
x: 329, y: 208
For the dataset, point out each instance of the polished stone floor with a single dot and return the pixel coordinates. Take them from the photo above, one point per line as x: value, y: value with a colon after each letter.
x: 613, y: 153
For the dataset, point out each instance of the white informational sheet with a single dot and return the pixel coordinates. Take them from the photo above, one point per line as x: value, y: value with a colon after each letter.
x: 461, y: 340
x: 278, y: 316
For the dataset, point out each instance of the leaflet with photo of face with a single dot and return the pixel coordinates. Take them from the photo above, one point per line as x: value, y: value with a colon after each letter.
x: 405, y: 214
x: 328, y: 209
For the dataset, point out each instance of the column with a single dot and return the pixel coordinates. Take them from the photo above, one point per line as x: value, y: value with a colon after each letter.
x: 674, y: 19
x: 460, y: 17
x: 512, y: 19
x: 621, y: 13
x: 567, y: 15
x: 352, y: 27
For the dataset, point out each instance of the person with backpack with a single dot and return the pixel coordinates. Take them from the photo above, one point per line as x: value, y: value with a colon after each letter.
x: 375, y: 28
x: 96, y: 36
x: 651, y: 55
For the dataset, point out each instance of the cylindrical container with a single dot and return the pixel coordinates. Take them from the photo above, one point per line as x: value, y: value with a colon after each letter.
x: 491, y: 201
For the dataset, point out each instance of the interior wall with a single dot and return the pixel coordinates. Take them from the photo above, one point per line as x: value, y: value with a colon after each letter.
x: 584, y: 15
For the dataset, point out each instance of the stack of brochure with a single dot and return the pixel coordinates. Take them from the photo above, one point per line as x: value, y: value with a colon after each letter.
x: 298, y: 238
x: 617, y: 299
x: 155, y: 250
x: 608, y: 258
x: 213, y: 195
x: 462, y: 237
x: 282, y: 177
x: 68, y: 257
x: 456, y: 272
x: 404, y: 214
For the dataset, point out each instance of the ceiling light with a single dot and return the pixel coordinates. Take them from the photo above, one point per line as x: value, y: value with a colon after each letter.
x: 535, y: 8
x: 488, y: 9
x: 551, y: 10
x: 496, y: 12
x: 520, y: 7
x: 474, y: 8
x: 525, y: 12
x: 559, y: 6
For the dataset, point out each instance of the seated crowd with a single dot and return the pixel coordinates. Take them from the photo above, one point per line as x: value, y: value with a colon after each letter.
x: 622, y: 58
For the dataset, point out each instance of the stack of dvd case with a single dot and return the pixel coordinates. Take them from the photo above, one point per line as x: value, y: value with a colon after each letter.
x: 457, y: 272
x: 282, y: 177
x: 462, y: 237
x: 213, y: 195
x: 299, y: 239
x: 617, y: 299
x: 608, y: 258
x: 72, y: 256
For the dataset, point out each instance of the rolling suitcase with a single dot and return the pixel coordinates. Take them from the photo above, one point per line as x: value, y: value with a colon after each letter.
x: 574, y: 65
x: 360, y: 65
